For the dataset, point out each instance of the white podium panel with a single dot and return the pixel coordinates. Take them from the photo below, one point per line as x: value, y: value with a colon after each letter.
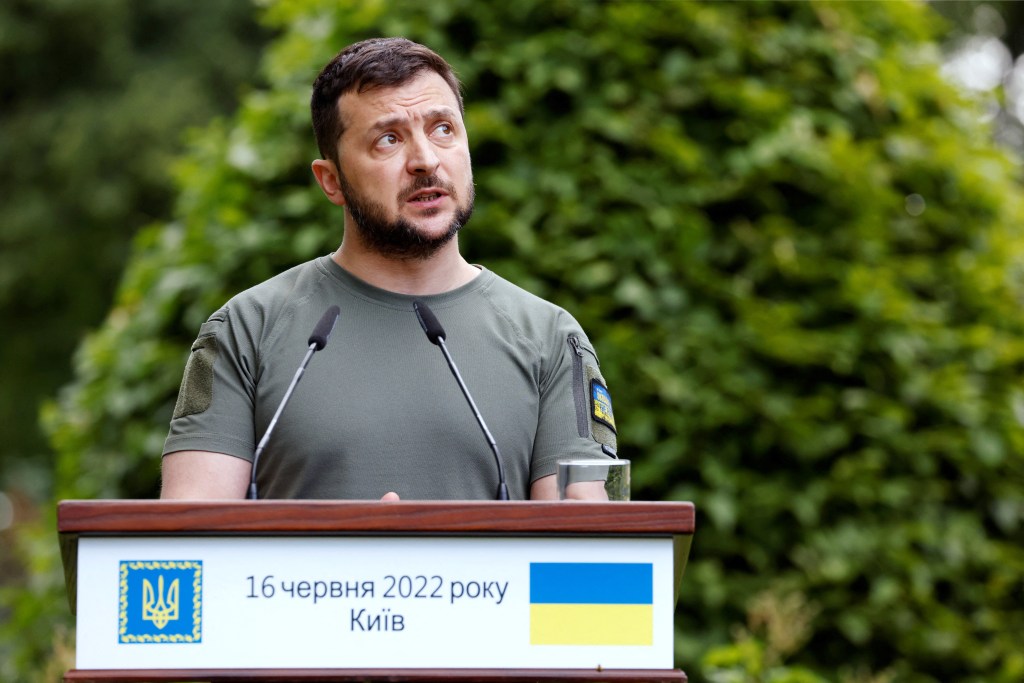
x: 292, y: 602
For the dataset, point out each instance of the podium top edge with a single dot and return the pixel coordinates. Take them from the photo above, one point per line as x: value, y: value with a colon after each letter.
x: 111, y: 517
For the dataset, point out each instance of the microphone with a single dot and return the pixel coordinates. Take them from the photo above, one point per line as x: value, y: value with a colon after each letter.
x: 317, y: 341
x: 436, y: 335
x: 323, y: 329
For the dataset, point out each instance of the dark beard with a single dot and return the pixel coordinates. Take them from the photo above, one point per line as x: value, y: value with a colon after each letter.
x: 399, y: 239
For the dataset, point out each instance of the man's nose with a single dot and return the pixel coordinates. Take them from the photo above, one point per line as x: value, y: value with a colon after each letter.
x: 422, y: 157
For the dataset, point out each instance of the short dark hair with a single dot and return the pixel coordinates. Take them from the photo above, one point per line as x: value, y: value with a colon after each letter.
x: 373, y: 63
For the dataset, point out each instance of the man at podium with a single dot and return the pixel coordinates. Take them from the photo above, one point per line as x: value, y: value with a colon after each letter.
x: 378, y: 413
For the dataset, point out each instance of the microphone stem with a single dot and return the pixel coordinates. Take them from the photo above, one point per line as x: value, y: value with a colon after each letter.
x: 502, y: 487
x: 251, y: 495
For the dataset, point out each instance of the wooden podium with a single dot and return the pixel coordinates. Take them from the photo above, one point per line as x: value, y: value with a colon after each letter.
x: 370, y: 591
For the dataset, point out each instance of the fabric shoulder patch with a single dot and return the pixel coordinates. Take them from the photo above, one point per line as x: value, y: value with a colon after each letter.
x: 196, y: 393
x: 601, y: 404
x: 601, y: 418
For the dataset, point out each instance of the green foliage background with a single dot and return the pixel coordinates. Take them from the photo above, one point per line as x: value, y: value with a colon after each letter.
x: 94, y: 98
x: 719, y: 192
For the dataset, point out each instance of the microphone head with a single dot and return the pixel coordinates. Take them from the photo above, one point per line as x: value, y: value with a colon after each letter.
x: 323, y: 329
x: 429, y: 323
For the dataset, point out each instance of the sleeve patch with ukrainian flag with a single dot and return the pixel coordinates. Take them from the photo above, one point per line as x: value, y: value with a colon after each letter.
x: 601, y: 404
x: 591, y: 603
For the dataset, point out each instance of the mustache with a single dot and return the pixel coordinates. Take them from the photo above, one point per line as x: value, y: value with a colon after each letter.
x: 424, y: 182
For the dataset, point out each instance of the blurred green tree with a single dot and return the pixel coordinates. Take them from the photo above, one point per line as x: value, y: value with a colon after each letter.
x: 794, y: 245
x: 94, y: 101
x: 95, y: 97
x: 983, y: 51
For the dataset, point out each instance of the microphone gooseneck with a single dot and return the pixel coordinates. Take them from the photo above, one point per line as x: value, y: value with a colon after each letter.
x: 435, y: 333
x: 317, y: 341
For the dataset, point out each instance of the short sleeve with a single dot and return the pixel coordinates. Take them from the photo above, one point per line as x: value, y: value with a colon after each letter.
x: 214, y: 409
x: 576, y: 419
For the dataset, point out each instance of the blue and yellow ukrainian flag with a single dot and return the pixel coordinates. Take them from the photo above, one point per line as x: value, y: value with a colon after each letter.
x: 591, y: 603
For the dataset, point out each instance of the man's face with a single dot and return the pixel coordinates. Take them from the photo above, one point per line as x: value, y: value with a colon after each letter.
x: 404, y: 166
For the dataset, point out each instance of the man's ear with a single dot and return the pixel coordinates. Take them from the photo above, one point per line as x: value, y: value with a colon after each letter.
x: 328, y: 178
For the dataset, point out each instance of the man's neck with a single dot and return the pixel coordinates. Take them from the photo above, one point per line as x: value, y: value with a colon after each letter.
x: 444, y: 271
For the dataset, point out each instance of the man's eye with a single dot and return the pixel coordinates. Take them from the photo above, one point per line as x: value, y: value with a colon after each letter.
x: 445, y: 129
x: 387, y: 140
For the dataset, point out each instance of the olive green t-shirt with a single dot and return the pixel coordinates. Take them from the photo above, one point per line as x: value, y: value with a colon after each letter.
x: 378, y: 409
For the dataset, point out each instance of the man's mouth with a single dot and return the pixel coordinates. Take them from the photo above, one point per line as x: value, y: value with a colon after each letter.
x: 430, y: 191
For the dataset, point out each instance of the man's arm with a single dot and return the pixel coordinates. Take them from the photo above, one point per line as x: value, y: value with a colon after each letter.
x: 203, y: 475
x: 197, y: 475
x: 546, y: 488
x: 192, y: 475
